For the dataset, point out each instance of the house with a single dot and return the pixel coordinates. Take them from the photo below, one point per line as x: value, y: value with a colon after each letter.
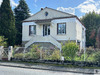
x: 50, y: 28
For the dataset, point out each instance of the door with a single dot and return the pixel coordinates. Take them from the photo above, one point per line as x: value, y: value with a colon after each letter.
x: 46, y: 30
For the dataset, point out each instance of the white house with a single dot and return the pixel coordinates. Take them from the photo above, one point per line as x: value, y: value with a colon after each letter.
x: 50, y: 27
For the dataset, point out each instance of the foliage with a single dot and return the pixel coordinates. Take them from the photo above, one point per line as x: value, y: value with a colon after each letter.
x: 92, y: 23
x: 18, y: 55
x: 98, y: 39
x: 54, y: 55
x: 34, y: 52
x: 89, y: 55
x: 69, y: 50
x: 7, y: 22
x: 21, y: 13
x: 97, y: 56
x: 3, y: 41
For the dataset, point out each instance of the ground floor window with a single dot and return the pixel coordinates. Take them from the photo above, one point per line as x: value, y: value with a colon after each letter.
x: 32, y: 30
x: 46, y: 30
x: 61, y: 28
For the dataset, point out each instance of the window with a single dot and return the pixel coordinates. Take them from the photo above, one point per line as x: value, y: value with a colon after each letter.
x: 82, y: 32
x: 32, y: 30
x: 46, y: 30
x: 61, y: 28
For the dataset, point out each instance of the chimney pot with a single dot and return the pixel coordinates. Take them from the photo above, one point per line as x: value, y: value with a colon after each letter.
x: 41, y: 8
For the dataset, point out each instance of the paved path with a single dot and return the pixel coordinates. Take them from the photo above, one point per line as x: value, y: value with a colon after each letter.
x: 24, y: 71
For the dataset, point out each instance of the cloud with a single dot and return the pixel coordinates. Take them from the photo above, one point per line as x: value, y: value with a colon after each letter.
x: 67, y: 10
x: 85, y: 7
x: 13, y: 4
x: 31, y: 14
x: 35, y: 1
x: 1, y: 2
x: 89, y: 6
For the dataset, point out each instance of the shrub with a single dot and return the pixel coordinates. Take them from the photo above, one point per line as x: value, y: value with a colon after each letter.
x: 3, y: 41
x: 69, y: 50
x: 52, y: 55
x: 55, y: 55
x: 18, y: 55
x: 97, y: 56
x: 34, y: 52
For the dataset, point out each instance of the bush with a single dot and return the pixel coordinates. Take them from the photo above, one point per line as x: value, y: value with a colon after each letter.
x: 55, y: 55
x: 34, y: 52
x: 3, y: 41
x: 18, y: 55
x: 51, y: 55
x: 97, y: 56
x: 69, y: 50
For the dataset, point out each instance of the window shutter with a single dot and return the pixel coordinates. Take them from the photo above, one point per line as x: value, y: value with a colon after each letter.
x: 57, y: 28
x: 65, y: 28
x: 29, y: 30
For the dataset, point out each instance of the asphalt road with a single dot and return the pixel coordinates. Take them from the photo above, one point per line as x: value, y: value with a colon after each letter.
x: 23, y: 71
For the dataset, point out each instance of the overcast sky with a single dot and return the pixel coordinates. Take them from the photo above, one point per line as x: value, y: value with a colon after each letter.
x: 77, y: 7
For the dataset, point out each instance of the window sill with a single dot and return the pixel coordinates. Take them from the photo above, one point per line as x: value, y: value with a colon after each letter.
x: 32, y: 35
x: 61, y: 34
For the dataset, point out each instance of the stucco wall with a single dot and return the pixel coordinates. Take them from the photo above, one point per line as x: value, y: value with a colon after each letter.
x: 70, y: 29
x: 51, y: 14
x: 79, y: 32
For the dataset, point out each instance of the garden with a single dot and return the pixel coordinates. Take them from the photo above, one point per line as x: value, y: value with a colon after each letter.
x: 70, y: 52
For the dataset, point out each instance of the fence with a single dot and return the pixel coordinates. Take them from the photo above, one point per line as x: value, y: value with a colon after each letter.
x: 6, y: 53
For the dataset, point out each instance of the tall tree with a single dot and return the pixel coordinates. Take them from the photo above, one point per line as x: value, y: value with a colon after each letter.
x: 21, y: 13
x: 7, y: 22
x: 98, y: 39
x: 92, y: 23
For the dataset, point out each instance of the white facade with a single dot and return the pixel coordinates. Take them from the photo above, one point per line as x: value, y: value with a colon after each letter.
x: 74, y: 29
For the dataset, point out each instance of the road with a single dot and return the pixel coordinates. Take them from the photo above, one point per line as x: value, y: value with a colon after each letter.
x: 23, y: 71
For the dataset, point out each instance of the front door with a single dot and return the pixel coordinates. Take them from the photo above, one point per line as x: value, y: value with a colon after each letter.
x: 46, y: 30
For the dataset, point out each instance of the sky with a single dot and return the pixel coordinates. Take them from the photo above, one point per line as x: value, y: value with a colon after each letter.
x: 76, y: 7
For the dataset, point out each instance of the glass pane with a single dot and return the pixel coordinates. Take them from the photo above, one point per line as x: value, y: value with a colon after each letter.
x: 61, y: 28
x: 33, y: 30
x: 45, y: 30
x: 48, y: 29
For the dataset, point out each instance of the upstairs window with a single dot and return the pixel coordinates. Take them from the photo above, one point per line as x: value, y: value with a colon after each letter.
x: 32, y: 30
x: 61, y: 28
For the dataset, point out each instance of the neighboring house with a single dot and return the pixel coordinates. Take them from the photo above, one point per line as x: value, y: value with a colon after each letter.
x: 50, y: 28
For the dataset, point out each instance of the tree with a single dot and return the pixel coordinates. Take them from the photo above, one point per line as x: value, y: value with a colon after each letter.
x: 98, y: 38
x: 3, y: 41
x: 7, y: 22
x: 21, y: 13
x: 92, y: 23
x: 69, y: 50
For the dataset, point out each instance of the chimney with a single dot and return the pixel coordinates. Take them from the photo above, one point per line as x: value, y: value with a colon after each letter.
x: 41, y: 8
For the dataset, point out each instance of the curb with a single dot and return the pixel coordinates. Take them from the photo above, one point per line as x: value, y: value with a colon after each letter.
x: 44, y: 68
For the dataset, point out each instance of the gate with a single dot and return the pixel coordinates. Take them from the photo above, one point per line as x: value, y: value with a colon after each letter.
x: 6, y: 53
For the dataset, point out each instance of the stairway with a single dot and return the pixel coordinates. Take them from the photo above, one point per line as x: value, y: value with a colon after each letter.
x: 43, y: 39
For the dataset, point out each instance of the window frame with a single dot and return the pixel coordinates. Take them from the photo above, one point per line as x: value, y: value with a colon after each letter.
x: 58, y: 29
x: 30, y: 34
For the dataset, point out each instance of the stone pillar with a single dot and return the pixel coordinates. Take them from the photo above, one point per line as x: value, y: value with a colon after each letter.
x: 1, y: 51
x: 10, y: 52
